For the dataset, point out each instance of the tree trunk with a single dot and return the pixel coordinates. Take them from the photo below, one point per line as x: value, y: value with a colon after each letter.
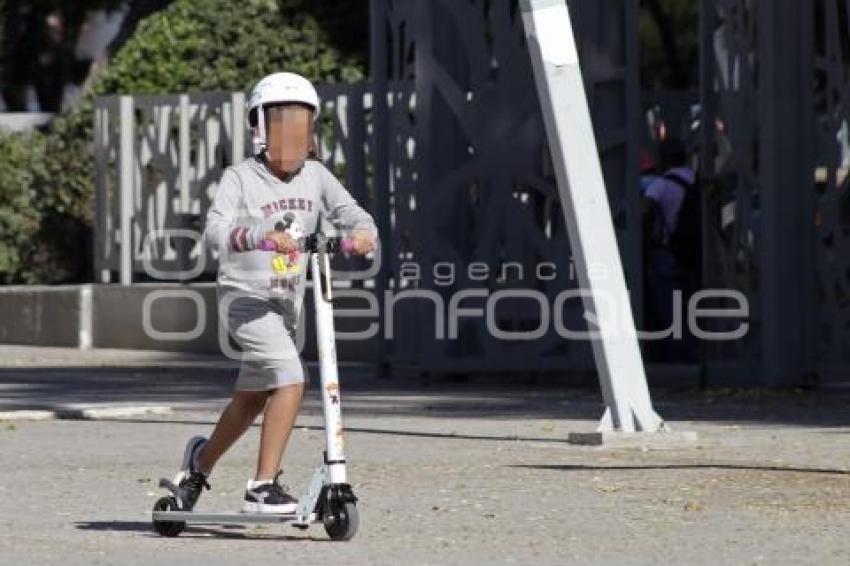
x: 139, y: 10
x: 678, y: 74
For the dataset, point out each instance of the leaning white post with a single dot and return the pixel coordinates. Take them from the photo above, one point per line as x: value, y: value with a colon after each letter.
x: 589, y: 223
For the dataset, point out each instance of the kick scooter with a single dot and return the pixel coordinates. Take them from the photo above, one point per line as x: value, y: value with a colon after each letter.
x: 329, y: 499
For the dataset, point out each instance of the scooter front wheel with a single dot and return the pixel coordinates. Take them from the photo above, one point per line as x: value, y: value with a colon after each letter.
x: 168, y: 528
x: 342, y: 523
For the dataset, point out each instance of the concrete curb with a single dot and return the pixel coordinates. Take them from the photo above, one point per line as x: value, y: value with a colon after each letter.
x: 85, y: 413
x: 8, y: 416
x: 114, y: 412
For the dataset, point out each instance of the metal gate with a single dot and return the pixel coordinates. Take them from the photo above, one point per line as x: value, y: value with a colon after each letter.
x: 473, y: 205
x: 776, y: 117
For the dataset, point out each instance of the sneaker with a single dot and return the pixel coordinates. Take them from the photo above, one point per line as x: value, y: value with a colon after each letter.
x: 189, y: 489
x: 191, y: 480
x: 268, y: 497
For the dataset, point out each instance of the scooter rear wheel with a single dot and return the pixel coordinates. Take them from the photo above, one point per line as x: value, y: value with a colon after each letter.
x: 168, y: 528
x: 343, y: 522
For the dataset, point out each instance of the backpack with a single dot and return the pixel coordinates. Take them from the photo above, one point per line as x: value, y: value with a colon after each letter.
x: 686, y: 240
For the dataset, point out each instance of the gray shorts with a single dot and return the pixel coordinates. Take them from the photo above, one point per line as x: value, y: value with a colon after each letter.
x: 265, y: 330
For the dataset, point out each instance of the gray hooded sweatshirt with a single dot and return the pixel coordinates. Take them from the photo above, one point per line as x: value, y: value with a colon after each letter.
x: 250, y: 201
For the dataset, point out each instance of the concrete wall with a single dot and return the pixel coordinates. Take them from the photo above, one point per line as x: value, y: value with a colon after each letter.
x: 55, y: 316
x: 179, y: 317
x: 146, y: 316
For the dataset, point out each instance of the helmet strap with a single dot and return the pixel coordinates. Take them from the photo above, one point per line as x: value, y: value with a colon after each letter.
x: 261, y: 130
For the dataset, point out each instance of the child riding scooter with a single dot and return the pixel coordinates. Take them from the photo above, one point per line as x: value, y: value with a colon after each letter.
x: 262, y: 209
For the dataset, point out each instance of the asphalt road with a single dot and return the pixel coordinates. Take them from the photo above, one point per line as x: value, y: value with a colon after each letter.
x: 446, y: 473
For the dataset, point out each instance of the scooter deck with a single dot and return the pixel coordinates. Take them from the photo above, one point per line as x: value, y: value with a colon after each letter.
x: 225, y: 518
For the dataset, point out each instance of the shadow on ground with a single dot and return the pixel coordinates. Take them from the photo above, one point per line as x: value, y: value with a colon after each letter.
x: 501, y: 396
x: 195, y: 531
x: 709, y: 466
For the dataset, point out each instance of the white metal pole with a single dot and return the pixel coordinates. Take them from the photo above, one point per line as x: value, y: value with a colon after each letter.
x: 237, y: 131
x: 184, y: 148
x: 586, y: 210
x: 103, y: 113
x: 126, y: 165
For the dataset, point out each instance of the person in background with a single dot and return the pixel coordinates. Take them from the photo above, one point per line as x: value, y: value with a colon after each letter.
x: 672, y: 245
x: 648, y: 170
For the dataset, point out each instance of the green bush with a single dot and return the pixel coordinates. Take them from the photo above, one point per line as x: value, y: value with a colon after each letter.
x: 45, y: 207
x: 19, y: 220
x: 46, y: 178
x: 220, y: 44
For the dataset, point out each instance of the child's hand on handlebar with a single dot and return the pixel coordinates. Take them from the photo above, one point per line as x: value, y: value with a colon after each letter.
x: 284, y: 242
x: 362, y: 241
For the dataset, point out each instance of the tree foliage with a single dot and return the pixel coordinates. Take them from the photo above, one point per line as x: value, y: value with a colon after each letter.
x: 46, y: 183
x: 218, y: 44
x: 19, y: 221
x: 38, y: 48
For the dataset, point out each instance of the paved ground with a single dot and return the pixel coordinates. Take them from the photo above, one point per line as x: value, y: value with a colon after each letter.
x: 448, y: 473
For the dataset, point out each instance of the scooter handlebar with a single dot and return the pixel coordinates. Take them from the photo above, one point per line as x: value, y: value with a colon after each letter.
x: 315, y: 243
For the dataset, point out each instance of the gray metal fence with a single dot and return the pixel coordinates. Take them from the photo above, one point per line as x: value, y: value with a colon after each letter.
x: 159, y: 158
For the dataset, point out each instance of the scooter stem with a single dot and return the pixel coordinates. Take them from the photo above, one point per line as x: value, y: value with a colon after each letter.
x: 326, y: 343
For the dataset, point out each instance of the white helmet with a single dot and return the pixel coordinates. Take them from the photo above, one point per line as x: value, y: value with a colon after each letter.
x: 275, y: 89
